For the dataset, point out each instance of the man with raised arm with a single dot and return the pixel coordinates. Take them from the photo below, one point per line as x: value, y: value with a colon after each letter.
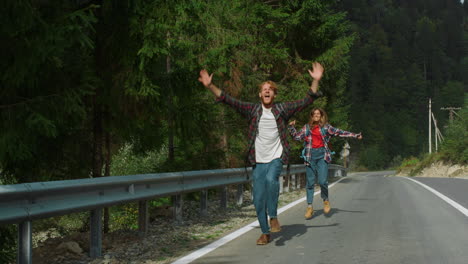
x: 268, y: 147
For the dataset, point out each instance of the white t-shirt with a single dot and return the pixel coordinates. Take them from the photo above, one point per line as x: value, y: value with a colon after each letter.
x: 267, y: 144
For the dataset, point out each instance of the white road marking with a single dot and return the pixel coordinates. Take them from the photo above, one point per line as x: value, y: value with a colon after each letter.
x: 216, y: 244
x: 456, y: 205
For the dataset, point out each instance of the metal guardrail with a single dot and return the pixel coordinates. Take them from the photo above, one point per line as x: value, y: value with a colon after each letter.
x: 23, y: 203
x: 30, y: 201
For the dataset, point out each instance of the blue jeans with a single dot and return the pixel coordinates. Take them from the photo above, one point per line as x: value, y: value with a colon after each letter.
x: 317, y: 169
x: 266, y: 191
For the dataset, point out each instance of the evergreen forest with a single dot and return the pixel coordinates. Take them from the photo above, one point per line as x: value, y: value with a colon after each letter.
x: 97, y: 88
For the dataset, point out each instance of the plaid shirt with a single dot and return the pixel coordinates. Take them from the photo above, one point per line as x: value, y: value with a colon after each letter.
x: 327, y: 131
x: 282, y: 113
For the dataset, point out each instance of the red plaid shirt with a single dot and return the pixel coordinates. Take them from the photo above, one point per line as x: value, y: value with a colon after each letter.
x: 281, y: 111
x: 327, y: 131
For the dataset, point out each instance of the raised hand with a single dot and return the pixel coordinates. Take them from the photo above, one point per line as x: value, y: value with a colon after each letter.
x: 292, y: 123
x: 317, y: 71
x: 205, y: 78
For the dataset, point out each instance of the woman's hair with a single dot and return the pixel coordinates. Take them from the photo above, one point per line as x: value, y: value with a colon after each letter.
x: 272, y: 84
x: 323, y: 117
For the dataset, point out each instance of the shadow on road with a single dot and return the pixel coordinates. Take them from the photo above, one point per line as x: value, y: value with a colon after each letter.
x: 348, y: 179
x: 334, y: 211
x: 290, y: 231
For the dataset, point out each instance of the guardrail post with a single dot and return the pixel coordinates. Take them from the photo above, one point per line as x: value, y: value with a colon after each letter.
x: 286, y: 183
x: 240, y: 194
x: 177, y: 203
x: 95, y: 249
x: 298, y: 181
x: 204, y: 203
x: 223, y: 197
x: 24, y: 253
x: 143, y: 217
x: 251, y: 191
x: 293, y: 182
x: 281, y: 183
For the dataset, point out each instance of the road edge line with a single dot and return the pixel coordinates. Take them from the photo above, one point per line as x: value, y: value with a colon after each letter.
x: 451, y: 202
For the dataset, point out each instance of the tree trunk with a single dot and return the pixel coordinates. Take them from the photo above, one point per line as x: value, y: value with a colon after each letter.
x: 224, y: 141
x: 97, y: 137
x: 107, y: 171
x: 98, y: 133
x: 170, y: 109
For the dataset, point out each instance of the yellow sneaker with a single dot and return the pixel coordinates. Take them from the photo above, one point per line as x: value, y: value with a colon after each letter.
x: 309, y: 212
x: 326, y: 207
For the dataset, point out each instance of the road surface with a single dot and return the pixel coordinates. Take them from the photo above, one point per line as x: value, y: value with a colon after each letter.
x: 375, y: 218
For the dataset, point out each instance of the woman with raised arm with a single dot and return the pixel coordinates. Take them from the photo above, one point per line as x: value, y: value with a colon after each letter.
x: 316, y: 154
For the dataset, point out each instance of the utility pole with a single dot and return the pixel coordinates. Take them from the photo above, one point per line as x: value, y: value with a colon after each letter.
x: 437, y: 134
x: 451, y: 111
x: 430, y: 139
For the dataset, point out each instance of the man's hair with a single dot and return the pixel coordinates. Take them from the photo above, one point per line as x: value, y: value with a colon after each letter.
x: 323, y: 117
x: 272, y: 84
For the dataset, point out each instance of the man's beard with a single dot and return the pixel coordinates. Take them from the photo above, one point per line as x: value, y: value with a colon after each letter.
x: 265, y: 104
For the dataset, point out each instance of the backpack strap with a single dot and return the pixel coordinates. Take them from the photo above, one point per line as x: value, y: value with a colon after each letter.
x: 324, y: 132
x: 307, y: 129
x: 307, y: 133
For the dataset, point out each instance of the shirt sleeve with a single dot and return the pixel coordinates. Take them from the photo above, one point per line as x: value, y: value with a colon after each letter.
x: 244, y: 108
x: 292, y: 107
x: 297, y: 135
x: 333, y: 131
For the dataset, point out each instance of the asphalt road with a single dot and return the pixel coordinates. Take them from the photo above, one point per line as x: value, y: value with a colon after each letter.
x: 375, y: 218
x: 454, y: 188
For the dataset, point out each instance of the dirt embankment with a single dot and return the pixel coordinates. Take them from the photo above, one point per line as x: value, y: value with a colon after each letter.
x: 439, y: 169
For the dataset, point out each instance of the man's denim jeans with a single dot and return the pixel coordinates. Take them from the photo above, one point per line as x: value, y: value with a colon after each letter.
x: 317, y: 169
x: 266, y: 191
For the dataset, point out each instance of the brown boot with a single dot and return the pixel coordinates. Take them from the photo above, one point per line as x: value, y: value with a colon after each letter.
x: 326, y: 207
x: 309, y: 212
x: 274, y: 225
x: 263, y: 239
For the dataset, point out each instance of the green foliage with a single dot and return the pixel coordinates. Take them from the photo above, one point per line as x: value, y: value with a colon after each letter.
x: 373, y: 157
x: 43, y: 89
x: 408, y: 164
x: 8, y: 243
x: 160, y: 202
x: 72, y: 74
x: 127, y: 162
x: 124, y: 217
x: 426, y: 160
x: 128, y: 70
x: 396, y: 162
x: 62, y: 225
x: 454, y: 148
x: 413, y: 165
x: 404, y: 54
